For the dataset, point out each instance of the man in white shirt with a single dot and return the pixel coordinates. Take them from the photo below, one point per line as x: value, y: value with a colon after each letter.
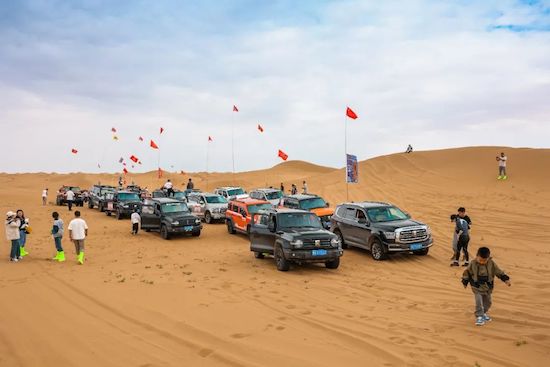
x: 304, y: 188
x: 45, y: 196
x: 69, y: 197
x: 169, y: 187
x: 78, y: 230
x: 135, y: 218
x: 502, y: 166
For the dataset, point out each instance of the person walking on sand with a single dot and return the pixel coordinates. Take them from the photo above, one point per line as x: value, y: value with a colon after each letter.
x: 45, y: 197
x: 57, y: 234
x: 78, y: 231
x: 23, y: 231
x: 502, y: 159
x: 190, y: 184
x: 135, y: 218
x: 282, y: 188
x: 462, y: 230
x: 480, y: 274
x: 12, y: 234
x: 69, y: 197
x: 293, y: 190
x: 455, y: 236
x: 304, y: 188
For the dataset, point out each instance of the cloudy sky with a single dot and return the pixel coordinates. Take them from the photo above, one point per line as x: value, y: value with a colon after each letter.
x: 434, y: 74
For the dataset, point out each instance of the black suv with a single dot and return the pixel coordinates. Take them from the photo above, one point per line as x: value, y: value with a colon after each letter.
x: 293, y: 236
x: 122, y: 203
x: 97, y: 195
x: 169, y: 216
x: 380, y: 228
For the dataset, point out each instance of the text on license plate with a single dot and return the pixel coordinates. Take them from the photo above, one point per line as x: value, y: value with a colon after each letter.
x: 188, y: 228
x: 318, y: 252
x: 416, y: 246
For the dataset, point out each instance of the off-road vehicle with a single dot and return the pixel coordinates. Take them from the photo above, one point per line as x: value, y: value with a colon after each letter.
x: 169, y: 217
x: 97, y: 193
x: 293, y: 236
x: 311, y: 202
x: 231, y: 193
x: 210, y: 207
x: 380, y: 228
x: 239, y: 214
x: 61, y: 198
x: 123, y: 204
x: 274, y: 196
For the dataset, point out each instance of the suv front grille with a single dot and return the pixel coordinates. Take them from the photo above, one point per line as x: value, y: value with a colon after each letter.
x: 413, y: 235
x: 311, y: 243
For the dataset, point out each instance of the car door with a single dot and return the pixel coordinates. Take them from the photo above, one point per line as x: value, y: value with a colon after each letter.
x: 147, y: 216
x: 261, y: 239
x: 347, y: 222
x: 240, y: 218
x: 361, y: 229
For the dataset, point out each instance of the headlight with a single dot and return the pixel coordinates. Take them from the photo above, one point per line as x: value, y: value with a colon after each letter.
x: 335, y: 242
x: 297, y: 243
x: 197, y: 221
x: 428, y: 231
x: 126, y: 206
x: 389, y: 235
x: 175, y: 223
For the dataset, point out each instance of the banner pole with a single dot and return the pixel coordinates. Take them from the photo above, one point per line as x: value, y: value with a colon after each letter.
x: 346, y: 156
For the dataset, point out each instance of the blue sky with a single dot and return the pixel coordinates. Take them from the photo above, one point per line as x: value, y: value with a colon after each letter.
x: 434, y: 74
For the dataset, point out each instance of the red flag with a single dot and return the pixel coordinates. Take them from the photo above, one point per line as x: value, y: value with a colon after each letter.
x: 210, y: 138
x: 134, y: 159
x: 350, y: 113
x: 283, y: 155
x: 260, y: 128
x: 140, y: 138
x: 113, y: 129
x: 160, y: 172
x: 161, y: 130
x: 153, y: 145
x: 235, y: 109
x: 125, y: 171
x: 74, y: 151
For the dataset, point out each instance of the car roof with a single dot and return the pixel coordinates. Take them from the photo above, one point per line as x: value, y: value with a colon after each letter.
x: 228, y: 188
x: 369, y: 204
x: 198, y: 193
x: 302, y: 196
x: 165, y: 200
x: 249, y: 201
x: 285, y: 211
x: 125, y: 192
x: 267, y: 190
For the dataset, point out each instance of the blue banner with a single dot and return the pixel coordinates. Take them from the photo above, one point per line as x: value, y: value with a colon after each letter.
x: 352, y: 169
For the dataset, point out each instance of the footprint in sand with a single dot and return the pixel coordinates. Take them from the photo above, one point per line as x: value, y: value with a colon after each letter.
x: 205, y: 352
x: 280, y: 328
x: 239, y: 335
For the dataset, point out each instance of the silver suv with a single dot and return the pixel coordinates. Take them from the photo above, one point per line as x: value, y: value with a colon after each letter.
x: 209, y: 207
x: 274, y: 196
x: 231, y: 193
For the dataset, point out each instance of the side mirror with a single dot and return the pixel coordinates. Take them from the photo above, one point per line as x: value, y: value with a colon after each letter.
x: 201, y: 202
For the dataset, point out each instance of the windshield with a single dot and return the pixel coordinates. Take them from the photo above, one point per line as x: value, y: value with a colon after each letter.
x: 235, y: 192
x: 257, y: 207
x: 299, y: 220
x: 107, y: 189
x: 74, y: 188
x: 128, y: 196
x: 274, y: 195
x: 175, y: 208
x: 386, y: 214
x: 179, y: 195
x: 216, y: 200
x: 312, y: 203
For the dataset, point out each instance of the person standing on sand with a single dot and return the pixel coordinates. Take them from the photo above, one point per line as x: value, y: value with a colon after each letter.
x: 12, y: 234
x: 135, y: 218
x: 480, y: 274
x: 293, y: 190
x: 69, y: 197
x: 190, y: 184
x: 57, y: 234
x: 283, y: 188
x: 304, y: 188
x: 463, y: 232
x: 23, y: 231
x: 502, y: 159
x: 45, y: 196
x: 455, y: 236
x: 78, y: 230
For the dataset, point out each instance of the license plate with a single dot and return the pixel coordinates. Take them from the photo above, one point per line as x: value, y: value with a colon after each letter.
x: 318, y: 252
x: 188, y: 228
x: 416, y: 246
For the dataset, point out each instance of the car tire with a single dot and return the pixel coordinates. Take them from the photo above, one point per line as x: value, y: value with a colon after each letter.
x: 282, y: 263
x: 259, y: 255
x: 164, y: 232
x: 208, y: 217
x: 341, y: 238
x: 422, y: 252
x: 196, y: 234
x: 108, y: 214
x: 230, y: 227
x: 333, y: 264
x: 377, y: 251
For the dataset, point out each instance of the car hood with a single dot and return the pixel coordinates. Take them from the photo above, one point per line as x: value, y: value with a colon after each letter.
x: 321, y: 212
x: 392, y: 226
x: 305, y: 233
x: 182, y: 216
x: 218, y: 205
x: 130, y: 202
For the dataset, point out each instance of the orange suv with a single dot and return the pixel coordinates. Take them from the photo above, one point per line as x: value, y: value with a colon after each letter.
x: 312, y: 203
x: 239, y: 213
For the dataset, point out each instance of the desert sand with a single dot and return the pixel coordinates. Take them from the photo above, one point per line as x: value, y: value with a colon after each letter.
x: 142, y: 301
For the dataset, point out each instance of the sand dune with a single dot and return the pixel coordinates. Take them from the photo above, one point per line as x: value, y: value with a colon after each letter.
x: 207, y: 302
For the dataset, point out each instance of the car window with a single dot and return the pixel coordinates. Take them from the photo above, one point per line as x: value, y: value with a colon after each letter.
x: 274, y: 195
x: 360, y: 215
x: 313, y: 203
x: 299, y: 220
x: 264, y: 220
x: 386, y: 214
x: 350, y: 213
x: 257, y: 207
x: 147, y: 210
x: 216, y: 200
x: 174, y: 208
x: 243, y: 212
x: 235, y: 192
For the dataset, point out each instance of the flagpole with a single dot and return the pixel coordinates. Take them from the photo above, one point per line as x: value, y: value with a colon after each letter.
x: 207, y: 161
x: 346, y: 156
x: 233, y: 143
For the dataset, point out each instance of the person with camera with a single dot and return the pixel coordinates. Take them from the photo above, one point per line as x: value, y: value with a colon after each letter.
x: 502, y: 159
x: 24, y: 230
x: 12, y: 234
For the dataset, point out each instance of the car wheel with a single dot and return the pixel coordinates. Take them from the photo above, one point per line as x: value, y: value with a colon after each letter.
x: 208, y: 217
x: 108, y: 213
x: 164, y: 232
x: 196, y: 234
x: 422, y: 252
x: 377, y: 251
x: 333, y: 264
x: 230, y: 227
x: 280, y: 261
x: 341, y: 239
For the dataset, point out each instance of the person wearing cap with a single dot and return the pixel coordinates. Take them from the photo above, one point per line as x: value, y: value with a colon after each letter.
x: 12, y: 234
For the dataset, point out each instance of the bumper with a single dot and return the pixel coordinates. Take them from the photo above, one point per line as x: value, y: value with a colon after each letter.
x: 307, y: 255
x: 218, y: 216
x: 185, y: 229
x: 406, y: 247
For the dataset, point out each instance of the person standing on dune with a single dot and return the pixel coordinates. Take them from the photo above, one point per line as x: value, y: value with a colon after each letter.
x: 12, y: 234
x: 304, y: 188
x: 23, y: 231
x: 463, y: 232
x: 502, y: 160
x: 78, y: 230
x: 57, y: 234
x: 293, y: 190
x: 190, y: 184
x: 45, y: 196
